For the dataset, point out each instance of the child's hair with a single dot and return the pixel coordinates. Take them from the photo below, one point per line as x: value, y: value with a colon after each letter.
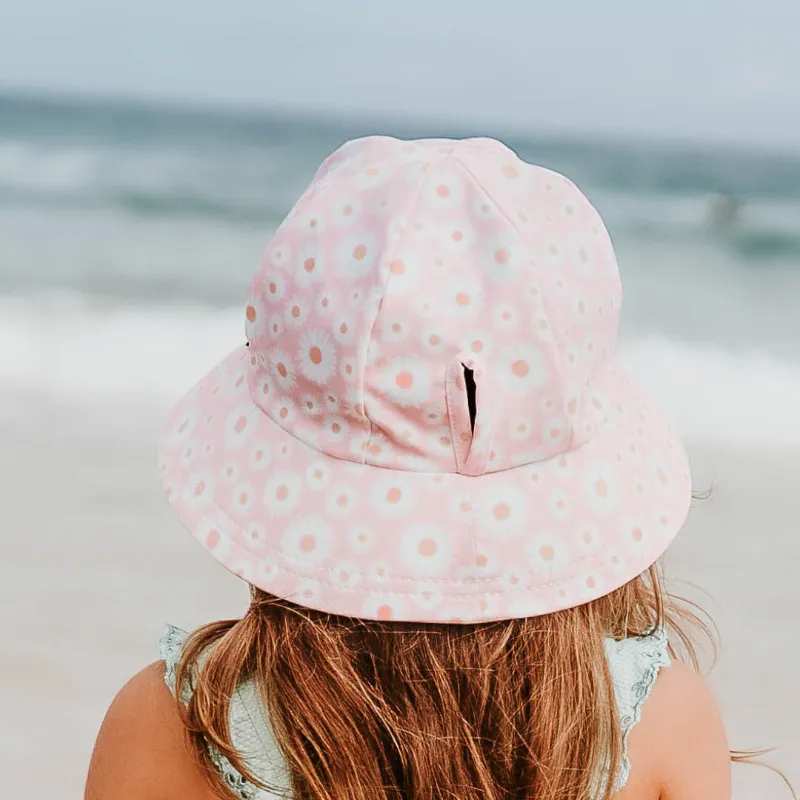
x: 370, y: 709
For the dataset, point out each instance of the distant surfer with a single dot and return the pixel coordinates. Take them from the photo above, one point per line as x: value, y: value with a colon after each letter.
x: 723, y: 210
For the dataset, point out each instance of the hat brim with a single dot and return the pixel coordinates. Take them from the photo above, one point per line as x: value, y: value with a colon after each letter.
x: 364, y: 541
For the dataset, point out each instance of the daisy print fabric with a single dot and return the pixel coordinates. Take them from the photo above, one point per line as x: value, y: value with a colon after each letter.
x: 427, y: 420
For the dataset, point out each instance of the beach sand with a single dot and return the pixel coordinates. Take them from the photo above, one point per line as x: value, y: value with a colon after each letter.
x: 94, y: 564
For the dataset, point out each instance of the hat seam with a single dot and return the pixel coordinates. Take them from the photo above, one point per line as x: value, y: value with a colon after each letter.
x: 524, y: 239
x: 387, y: 258
x: 393, y: 470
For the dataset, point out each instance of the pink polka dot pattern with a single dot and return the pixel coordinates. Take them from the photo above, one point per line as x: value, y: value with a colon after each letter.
x: 335, y: 461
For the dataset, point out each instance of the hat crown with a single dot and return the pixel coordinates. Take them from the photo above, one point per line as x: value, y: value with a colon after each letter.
x: 405, y: 264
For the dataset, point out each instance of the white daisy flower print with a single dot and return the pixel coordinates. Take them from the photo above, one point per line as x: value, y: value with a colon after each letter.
x: 600, y: 489
x: 326, y: 303
x: 208, y: 450
x: 200, y: 491
x: 464, y: 298
x: 539, y: 324
x: 255, y: 319
x: 420, y: 229
x: 310, y: 266
x: 406, y: 381
x: 426, y: 549
x: 523, y: 369
x: 502, y: 258
x: 188, y: 454
x: 387, y: 608
x: 547, y: 553
x: 256, y: 534
x: 263, y: 391
x: 347, y: 212
x: 337, y: 429
x: 311, y: 221
x: 434, y: 415
x: 235, y: 383
x: 260, y: 456
x: 344, y: 329
x: 231, y: 472
x: 345, y: 575
x: 459, y: 236
x: 274, y: 287
x: 354, y: 402
x: 332, y: 404
x: 484, y: 208
x: 393, y: 496
x: 307, y: 539
x: 296, y: 312
x: 357, y: 255
x: 275, y: 326
x: 280, y: 255
x: 505, y: 317
x: 184, y: 425
x: 478, y: 342
x: 446, y: 193
x: 308, y: 592
x: 371, y: 175
x: 581, y: 310
x: 361, y: 539
x: 379, y: 572
x: 521, y: 429
x: 552, y: 253
x: 588, y: 540
x: 341, y: 501
x: 395, y: 329
x: 285, y: 411
x: 381, y: 205
x: 424, y: 307
x: 582, y: 253
x: 318, y: 475
x: 240, y: 426
x: 243, y: 497
x: 501, y: 512
x: 555, y: 434
x: 405, y: 271
x: 311, y: 405
x: 429, y: 600
x: 316, y: 356
x: 559, y: 505
x: 461, y: 507
x: 282, y: 493
x: 433, y: 338
x: 282, y: 370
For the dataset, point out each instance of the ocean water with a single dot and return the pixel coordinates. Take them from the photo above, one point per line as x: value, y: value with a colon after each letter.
x: 128, y: 236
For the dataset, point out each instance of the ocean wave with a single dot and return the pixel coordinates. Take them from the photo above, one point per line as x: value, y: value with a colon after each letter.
x: 154, y: 204
x: 66, y: 349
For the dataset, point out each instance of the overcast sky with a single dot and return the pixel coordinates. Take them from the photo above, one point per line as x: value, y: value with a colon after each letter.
x: 690, y: 68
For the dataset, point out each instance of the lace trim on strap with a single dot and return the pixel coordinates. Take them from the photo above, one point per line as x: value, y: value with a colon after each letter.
x: 170, y: 647
x: 634, y: 665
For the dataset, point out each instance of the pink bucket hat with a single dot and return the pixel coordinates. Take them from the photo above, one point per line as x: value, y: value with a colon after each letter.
x: 427, y: 422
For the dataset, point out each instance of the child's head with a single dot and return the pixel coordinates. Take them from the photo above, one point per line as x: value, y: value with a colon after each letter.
x: 429, y: 452
x: 428, y: 422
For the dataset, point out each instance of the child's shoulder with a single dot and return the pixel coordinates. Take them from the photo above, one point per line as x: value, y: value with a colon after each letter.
x: 141, y: 748
x: 679, y: 747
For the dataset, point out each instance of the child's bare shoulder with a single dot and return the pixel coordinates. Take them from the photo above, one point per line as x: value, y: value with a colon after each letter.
x: 679, y: 749
x: 141, y: 749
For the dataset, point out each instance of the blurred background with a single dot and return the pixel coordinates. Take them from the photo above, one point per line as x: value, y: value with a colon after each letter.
x: 147, y: 152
